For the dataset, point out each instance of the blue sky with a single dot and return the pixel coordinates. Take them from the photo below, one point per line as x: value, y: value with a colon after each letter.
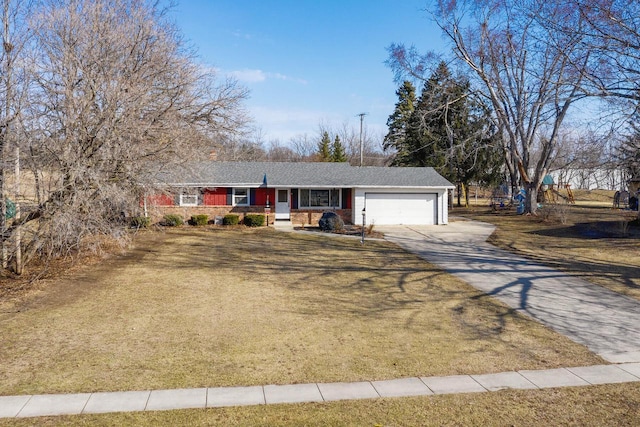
x: 308, y: 62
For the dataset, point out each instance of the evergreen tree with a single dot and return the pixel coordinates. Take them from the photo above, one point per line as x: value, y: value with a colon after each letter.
x: 324, y: 149
x: 338, y: 153
x: 431, y: 125
x: 398, y: 122
x: 452, y: 132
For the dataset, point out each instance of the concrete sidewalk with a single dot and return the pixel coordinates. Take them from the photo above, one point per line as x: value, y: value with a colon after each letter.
x: 604, y: 321
x: 159, y: 400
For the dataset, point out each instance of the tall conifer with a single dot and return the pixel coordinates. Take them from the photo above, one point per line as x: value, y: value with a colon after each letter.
x: 324, y: 148
x: 398, y: 122
x: 338, y: 153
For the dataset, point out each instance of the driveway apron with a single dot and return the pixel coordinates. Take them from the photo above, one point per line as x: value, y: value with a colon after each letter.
x: 604, y: 321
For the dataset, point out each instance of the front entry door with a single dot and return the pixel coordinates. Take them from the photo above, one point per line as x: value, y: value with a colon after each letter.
x: 283, y: 208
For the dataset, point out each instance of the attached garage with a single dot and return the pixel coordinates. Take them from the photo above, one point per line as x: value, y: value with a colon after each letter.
x: 401, y: 208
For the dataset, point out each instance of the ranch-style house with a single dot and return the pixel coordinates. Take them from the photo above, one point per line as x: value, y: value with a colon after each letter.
x: 301, y: 192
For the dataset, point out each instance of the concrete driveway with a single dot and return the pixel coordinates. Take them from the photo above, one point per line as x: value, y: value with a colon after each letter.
x: 604, y: 321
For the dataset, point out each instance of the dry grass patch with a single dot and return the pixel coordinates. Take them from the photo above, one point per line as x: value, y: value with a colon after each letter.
x: 195, y: 308
x: 598, y: 244
x: 606, y: 405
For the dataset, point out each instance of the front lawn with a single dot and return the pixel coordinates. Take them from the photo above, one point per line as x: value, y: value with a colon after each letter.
x: 214, y: 307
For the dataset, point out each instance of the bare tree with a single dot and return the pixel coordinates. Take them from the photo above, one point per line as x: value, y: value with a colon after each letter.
x: 247, y: 145
x: 530, y: 75
x: 611, y: 35
x: 116, y: 96
x: 14, y: 96
x: 279, y: 152
x: 304, y: 146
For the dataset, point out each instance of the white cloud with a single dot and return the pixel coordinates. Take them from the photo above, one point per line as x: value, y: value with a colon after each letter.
x: 239, y: 34
x: 287, y: 78
x: 259, y: 76
x: 249, y: 76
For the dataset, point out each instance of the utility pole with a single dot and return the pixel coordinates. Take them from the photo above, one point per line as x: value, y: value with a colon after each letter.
x: 361, y: 143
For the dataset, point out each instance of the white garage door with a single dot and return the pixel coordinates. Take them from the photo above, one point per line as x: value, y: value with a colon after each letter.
x: 401, y: 208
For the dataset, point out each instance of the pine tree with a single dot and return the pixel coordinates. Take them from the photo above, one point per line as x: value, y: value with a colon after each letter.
x: 324, y: 149
x: 398, y: 122
x: 450, y: 131
x: 431, y: 125
x: 338, y: 153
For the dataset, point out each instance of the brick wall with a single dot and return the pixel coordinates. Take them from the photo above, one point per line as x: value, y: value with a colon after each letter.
x: 308, y: 217
x: 158, y: 212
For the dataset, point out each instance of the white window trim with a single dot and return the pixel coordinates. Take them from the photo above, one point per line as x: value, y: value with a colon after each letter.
x: 339, y: 205
x: 233, y: 197
x: 184, y: 200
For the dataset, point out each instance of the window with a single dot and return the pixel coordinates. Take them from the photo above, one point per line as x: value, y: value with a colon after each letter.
x: 188, y: 200
x: 240, y: 196
x: 310, y: 198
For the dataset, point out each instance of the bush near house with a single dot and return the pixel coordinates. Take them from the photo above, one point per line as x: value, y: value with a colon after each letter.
x: 331, y: 221
x: 254, y: 220
x: 140, y: 222
x: 172, y: 220
x: 199, y: 220
x: 230, y: 219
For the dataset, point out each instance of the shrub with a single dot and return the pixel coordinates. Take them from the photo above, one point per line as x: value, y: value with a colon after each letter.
x: 199, y: 219
x: 555, y: 212
x: 140, y: 222
x: 331, y: 221
x: 231, y: 219
x: 369, y: 229
x: 172, y: 220
x: 254, y: 220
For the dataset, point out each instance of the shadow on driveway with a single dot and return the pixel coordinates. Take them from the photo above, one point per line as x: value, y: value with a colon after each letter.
x: 606, y: 322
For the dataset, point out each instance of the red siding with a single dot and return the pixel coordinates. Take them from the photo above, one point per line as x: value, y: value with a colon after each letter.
x: 215, y: 197
x: 261, y: 196
x: 347, y: 197
x: 160, y: 200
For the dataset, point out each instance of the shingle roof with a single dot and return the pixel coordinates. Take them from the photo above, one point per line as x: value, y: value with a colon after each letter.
x: 318, y: 175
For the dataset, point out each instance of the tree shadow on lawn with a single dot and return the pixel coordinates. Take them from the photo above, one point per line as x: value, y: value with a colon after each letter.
x: 337, y: 278
x: 347, y: 302
x: 618, y: 229
x: 377, y: 273
x: 342, y: 278
x: 612, y: 236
